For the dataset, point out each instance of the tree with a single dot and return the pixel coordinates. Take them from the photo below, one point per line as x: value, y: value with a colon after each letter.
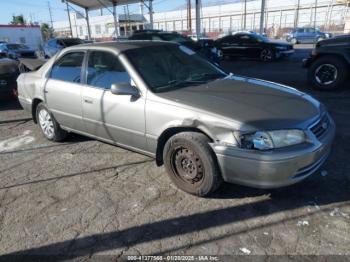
x: 18, y: 20
x: 46, y: 31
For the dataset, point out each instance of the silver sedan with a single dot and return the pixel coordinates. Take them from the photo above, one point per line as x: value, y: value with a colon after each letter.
x: 163, y: 100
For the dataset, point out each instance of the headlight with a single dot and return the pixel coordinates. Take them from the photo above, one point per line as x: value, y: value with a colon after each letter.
x: 265, y: 140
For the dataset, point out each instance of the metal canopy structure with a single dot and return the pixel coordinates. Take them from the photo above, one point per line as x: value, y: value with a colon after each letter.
x: 89, y: 5
x: 98, y: 4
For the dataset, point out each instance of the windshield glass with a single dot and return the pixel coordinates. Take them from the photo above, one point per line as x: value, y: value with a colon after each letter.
x: 174, y: 38
x: 169, y: 67
x: 17, y: 47
x: 70, y: 42
x: 261, y: 38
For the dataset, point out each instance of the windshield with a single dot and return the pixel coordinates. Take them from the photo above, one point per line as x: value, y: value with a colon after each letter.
x: 17, y: 47
x: 169, y: 67
x: 70, y: 42
x: 261, y: 38
x: 174, y: 38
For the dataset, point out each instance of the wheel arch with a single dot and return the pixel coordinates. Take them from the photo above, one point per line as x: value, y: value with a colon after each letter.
x: 35, y: 103
x: 345, y: 59
x: 170, y: 132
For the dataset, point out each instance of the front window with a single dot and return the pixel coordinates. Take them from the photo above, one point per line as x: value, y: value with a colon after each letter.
x: 168, y: 67
x: 105, y: 69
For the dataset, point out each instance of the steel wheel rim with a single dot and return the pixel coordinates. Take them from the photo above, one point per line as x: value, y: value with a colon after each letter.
x: 266, y: 55
x: 46, y: 123
x: 326, y: 74
x: 187, y: 166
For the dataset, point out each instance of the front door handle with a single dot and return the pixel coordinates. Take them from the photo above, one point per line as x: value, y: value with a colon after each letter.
x: 88, y: 100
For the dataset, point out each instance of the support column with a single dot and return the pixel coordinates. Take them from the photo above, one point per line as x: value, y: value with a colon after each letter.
x: 70, y: 22
x: 88, y: 23
x: 198, y: 18
x: 262, y: 17
x: 116, y: 20
x: 150, y: 7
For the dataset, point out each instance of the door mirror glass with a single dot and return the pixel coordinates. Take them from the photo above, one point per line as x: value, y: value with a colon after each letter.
x: 124, y: 89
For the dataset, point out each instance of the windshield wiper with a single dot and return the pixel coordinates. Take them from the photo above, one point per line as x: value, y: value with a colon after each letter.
x: 207, y: 76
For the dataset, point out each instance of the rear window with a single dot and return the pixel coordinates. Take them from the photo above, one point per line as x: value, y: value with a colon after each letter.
x: 68, y: 68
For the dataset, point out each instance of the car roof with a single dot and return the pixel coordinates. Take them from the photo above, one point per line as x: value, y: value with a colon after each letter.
x: 122, y: 45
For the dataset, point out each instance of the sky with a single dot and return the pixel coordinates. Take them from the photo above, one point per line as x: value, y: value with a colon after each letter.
x: 37, y: 10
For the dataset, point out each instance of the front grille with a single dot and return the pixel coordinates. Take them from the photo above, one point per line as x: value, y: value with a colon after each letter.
x: 321, y: 127
x: 28, y: 54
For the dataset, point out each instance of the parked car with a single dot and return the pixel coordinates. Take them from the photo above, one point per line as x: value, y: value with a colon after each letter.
x: 52, y: 46
x: 252, y: 45
x: 164, y: 100
x: 329, y: 63
x: 306, y: 35
x: 16, y: 51
x: 204, y: 47
x: 8, y: 75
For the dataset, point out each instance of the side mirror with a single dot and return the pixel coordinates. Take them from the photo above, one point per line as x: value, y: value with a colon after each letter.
x: 124, y: 89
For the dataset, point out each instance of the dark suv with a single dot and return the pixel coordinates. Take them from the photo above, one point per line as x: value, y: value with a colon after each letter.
x: 329, y: 63
x: 204, y: 47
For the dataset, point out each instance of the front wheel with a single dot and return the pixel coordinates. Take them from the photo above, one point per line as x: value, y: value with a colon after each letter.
x: 191, y: 164
x: 49, y: 126
x: 267, y: 55
x: 328, y: 73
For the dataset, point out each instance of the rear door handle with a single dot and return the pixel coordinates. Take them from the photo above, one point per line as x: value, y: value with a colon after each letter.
x: 88, y: 100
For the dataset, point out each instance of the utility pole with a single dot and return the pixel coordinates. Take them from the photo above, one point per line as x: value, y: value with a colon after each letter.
x: 70, y: 22
x: 262, y: 16
x: 189, y: 16
x: 245, y: 16
x: 296, y: 20
x: 49, y: 6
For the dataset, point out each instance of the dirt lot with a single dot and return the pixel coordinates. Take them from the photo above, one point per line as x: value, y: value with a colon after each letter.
x: 84, y: 198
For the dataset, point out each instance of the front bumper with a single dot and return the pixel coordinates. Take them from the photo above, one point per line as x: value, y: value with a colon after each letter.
x: 287, y: 52
x: 275, y: 168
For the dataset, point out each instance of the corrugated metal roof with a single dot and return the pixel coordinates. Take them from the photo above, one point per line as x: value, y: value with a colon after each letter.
x: 97, y: 4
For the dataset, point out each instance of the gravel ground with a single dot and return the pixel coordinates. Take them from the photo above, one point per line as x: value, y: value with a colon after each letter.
x: 84, y: 198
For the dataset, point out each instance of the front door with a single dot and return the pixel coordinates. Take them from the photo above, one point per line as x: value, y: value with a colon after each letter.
x: 116, y: 118
x: 63, y: 90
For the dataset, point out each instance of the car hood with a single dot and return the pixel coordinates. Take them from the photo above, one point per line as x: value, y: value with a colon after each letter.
x: 256, y: 104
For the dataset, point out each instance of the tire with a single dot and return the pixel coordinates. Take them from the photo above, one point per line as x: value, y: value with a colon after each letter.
x: 267, y: 55
x: 48, y: 125
x: 191, y: 164
x: 328, y: 73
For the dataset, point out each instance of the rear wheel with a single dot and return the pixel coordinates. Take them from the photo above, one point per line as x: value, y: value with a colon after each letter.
x: 328, y: 73
x: 49, y: 126
x: 191, y: 164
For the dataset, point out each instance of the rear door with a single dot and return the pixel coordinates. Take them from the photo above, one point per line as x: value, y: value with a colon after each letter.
x: 116, y: 118
x: 63, y: 90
